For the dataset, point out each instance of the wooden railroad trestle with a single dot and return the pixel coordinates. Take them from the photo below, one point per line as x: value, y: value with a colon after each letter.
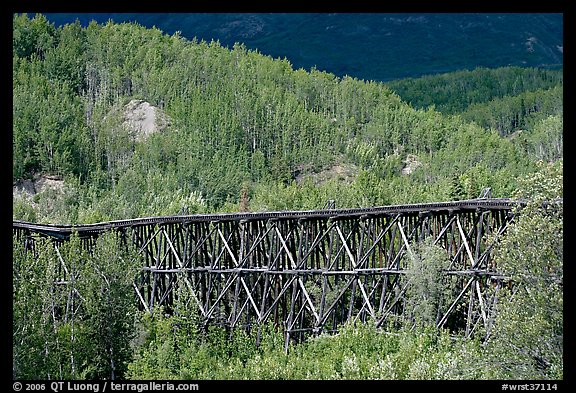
x: 308, y: 271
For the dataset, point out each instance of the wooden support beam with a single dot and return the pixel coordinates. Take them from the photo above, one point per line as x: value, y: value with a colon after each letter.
x: 186, y: 280
x: 399, y: 297
x: 454, y: 304
x: 465, y: 241
x: 481, y: 303
x: 359, y: 283
x: 310, y: 272
x: 140, y: 297
x: 405, y: 240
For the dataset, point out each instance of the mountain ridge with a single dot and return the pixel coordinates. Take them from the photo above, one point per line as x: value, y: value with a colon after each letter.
x: 370, y: 46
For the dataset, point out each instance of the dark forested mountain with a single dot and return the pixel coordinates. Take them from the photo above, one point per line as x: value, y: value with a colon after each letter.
x: 373, y: 46
x: 506, y: 99
x: 454, y: 92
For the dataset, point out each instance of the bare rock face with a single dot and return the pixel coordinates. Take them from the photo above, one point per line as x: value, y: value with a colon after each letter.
x: 40, y: 183
x: 23, y: 188
x: 410, y: 164
x: 143, y: 119
x: 45, y: 182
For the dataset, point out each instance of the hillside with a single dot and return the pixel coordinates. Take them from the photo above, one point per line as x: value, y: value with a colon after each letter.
x: 506, y: 99
x: 238, y: 123
x: 374, y: 46
x: 455, y: 92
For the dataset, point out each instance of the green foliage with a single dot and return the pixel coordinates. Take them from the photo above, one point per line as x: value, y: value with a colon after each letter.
x: 23, y: 210
x: 528, y: 334
x: 49, y: 134
x: 355, y: 352
x: 240, y: 120
x: 454, y: 92
x: 33, y: 335
x: 32, y: 37
x: 519, y: 112
x: 107, y: 277
x: 546, y: 139
x: 428, y: 286
x: 73, y: 311
x: 525, y: 341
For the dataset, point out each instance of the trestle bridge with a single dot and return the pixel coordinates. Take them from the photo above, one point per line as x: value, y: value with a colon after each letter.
x: 308, y: 271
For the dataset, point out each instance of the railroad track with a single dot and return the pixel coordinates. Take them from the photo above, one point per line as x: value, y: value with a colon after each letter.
x: 88, y: 229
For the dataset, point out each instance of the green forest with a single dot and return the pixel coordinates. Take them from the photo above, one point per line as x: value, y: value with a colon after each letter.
x: 116, y: 121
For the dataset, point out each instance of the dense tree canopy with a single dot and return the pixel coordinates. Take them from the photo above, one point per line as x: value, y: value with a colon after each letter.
x: 240, y: 119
